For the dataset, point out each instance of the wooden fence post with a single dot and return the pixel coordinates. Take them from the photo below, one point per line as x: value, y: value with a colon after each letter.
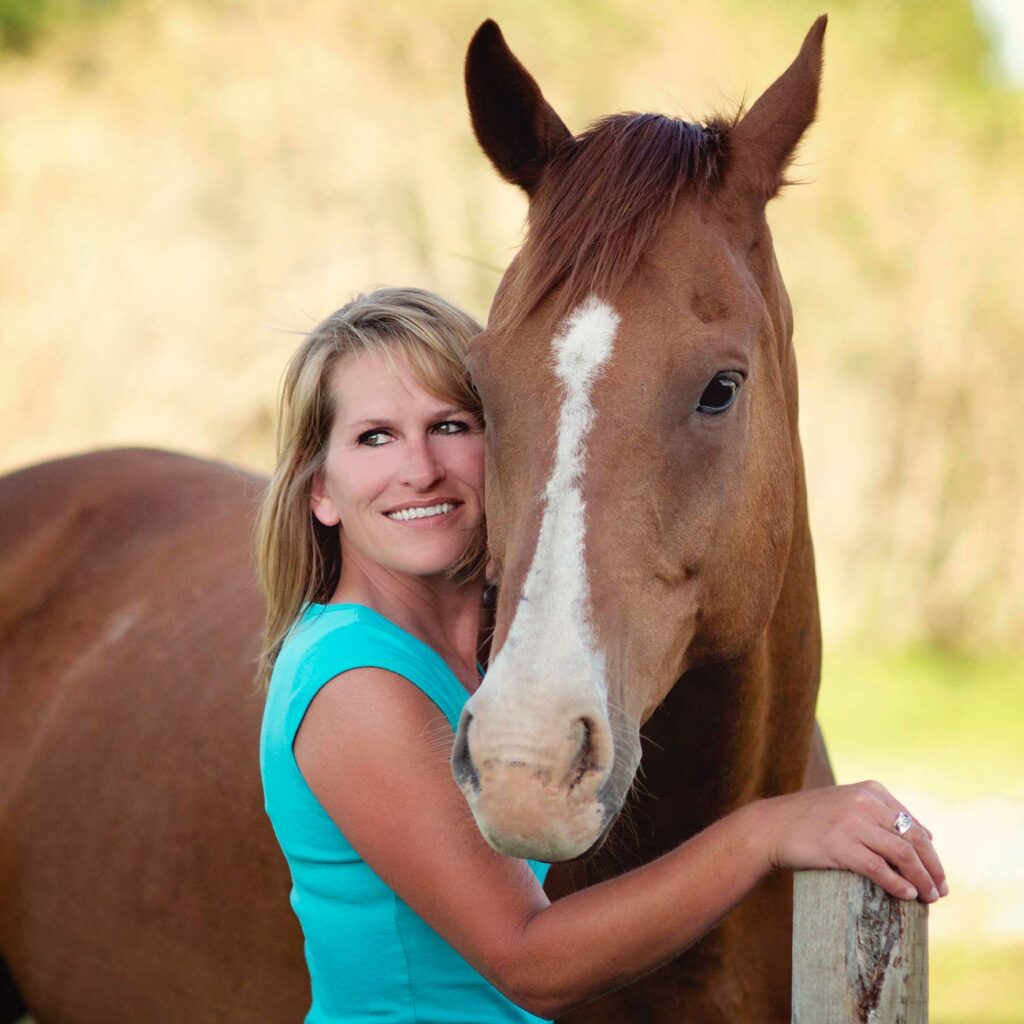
x: 859, y: 956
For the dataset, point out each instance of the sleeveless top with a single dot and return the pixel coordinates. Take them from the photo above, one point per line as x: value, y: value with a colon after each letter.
x: 371, y: 958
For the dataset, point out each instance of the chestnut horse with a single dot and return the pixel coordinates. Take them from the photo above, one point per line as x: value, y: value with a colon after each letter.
x: 664, y: 545
x: 140, y: 882
x: 646, y: 509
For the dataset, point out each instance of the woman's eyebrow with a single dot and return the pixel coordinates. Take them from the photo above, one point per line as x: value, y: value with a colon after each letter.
x: 372, y: 421
x: 452, y: 410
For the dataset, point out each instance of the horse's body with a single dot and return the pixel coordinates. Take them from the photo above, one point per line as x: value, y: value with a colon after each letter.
x: 140, y: 880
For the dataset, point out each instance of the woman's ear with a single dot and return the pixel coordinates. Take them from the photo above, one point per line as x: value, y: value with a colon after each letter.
x: 321, y: 503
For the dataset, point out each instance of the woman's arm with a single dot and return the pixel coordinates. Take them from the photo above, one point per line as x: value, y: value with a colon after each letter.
x: 374, y: 749
x: 621, y: 929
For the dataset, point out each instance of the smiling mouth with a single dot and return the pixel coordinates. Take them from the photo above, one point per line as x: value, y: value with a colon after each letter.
x: 404, y: 515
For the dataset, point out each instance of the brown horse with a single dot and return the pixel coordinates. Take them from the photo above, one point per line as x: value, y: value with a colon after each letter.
x: 139, y: 878
x: 646, y: 507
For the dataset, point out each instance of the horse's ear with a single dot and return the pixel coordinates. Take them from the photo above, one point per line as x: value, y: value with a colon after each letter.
x: 762, y: 144
x: 515, y: 126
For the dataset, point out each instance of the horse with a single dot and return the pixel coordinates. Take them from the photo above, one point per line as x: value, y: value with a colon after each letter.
x: 140, y: 878
x: 647, y: 511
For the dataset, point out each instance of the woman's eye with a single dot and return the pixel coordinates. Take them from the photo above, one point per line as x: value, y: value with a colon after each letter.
x: 452, y: 427
x: 374, y: 438
x: 719, y: 394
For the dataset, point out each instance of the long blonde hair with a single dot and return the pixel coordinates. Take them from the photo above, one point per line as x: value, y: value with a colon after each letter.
x: 298, y: 558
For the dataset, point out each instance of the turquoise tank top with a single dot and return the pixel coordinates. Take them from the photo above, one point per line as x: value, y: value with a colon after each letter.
x: 370, y: 957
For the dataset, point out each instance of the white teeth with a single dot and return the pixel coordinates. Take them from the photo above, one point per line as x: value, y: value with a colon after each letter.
x: 422, y: 513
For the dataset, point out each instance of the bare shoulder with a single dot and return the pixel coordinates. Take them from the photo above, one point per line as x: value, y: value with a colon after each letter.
x: 375, y: 751
x: 371, y: 708
x: 371, y: 737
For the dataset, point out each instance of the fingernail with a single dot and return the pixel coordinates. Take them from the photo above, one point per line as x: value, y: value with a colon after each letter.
x: 911, y: 892
x: 944, y: 889
x: 933, y: 895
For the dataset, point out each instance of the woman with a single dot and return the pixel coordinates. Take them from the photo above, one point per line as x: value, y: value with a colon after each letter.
x: 371, y: 555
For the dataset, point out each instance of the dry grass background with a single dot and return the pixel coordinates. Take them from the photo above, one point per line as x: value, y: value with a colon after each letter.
x: 186, y: 186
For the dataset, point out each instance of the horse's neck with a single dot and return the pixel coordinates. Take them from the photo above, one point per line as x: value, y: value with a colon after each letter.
x: 740, y: 730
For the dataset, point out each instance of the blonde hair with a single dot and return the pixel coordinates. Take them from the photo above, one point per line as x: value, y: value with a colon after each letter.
x: 298, y: 558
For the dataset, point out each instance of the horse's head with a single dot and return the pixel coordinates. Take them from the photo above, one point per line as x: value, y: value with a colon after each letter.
x: 640, y: 393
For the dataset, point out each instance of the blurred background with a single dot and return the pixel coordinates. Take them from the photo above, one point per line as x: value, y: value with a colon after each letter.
x: 186, y: 186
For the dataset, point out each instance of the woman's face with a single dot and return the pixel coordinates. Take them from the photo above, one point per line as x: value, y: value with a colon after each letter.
x: 404, y: 472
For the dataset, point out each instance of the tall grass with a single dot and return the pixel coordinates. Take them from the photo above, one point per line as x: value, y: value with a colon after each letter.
x: 186, y: 186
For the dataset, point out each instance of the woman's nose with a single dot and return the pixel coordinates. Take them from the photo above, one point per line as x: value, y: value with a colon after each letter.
x: 421, y: 468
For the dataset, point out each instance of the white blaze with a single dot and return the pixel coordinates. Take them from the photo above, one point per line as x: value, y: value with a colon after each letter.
x: 551, y: 639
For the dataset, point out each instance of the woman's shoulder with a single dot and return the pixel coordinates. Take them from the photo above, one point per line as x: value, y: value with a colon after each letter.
x: 328, y: 640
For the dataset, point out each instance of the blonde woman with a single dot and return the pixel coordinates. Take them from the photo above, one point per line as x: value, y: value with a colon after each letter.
x: 371, y: 555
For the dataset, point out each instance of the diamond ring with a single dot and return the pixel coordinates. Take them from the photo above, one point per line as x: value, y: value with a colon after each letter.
x: 902, y: 823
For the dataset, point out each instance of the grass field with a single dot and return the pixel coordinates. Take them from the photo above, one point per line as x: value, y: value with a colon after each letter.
x: 943, y: 721
x: 944, y: 733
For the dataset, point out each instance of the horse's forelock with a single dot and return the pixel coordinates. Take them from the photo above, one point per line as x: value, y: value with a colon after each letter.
x: 603, y: 198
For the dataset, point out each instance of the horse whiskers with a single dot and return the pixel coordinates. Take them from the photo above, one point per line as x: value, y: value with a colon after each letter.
x: 437, y: 739
x: 638, y: 790
x: 629, y: 823
x: 616, y: 855
x: 647, y: 739
x: 437, y: 726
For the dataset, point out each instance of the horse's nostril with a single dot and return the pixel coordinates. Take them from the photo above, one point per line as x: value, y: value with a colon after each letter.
x: 462, y: 761
x: 585, y: 759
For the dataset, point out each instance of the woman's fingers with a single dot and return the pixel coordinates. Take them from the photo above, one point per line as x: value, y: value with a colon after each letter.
x: 917, y: 837
x: 853, y: 827
x: 906, y: 858
x: 883, y: 796
x: 874, y: 866
x: 920, y: 839
x: 890, y: 810
x: 930, y: 859
x: 889, y: 802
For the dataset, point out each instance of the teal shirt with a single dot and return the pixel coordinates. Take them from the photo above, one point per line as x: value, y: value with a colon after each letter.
x: 371, y: 958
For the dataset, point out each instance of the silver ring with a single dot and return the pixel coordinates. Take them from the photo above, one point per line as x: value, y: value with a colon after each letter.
x: 901, y: 826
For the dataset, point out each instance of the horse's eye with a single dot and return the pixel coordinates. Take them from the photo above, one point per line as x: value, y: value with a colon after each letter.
x: 719, y: 394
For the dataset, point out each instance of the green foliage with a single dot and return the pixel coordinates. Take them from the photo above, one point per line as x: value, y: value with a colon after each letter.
x: 24, y: 22
x: 931, y: 718
x: 948, y: 42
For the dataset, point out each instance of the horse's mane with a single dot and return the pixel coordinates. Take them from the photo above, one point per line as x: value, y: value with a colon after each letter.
x: 602, y: 199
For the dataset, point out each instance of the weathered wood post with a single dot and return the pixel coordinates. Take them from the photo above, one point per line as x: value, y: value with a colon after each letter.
x: 859, y: 956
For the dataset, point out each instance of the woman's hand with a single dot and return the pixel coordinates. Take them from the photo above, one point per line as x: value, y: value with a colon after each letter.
x: 852, y: 828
